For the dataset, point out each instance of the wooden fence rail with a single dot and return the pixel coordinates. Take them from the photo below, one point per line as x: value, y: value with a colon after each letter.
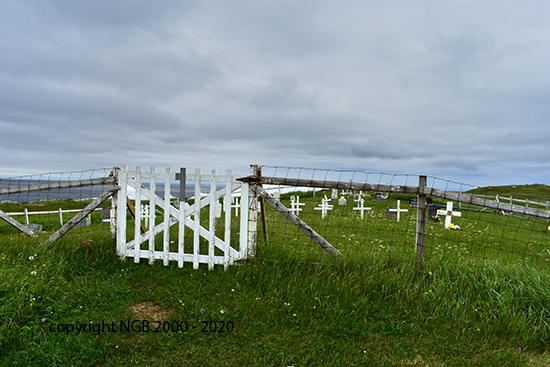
x: 56, y: 185
x: 415, y: 190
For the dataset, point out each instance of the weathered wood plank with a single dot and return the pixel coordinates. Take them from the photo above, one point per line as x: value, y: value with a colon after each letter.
x: 87, y: 210
x: 16, y: 224
x: 361, y: 186
x: 296, y: 221
x: 357, y: 186
x: 420, y: 223
x: 492, y: 204
x: 57, y: 185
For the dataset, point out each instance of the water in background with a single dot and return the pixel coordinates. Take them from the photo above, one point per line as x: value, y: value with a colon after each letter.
x: 88, y: 192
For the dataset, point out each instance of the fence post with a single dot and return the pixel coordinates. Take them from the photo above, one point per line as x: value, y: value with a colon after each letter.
x: 122, y: 179
x: 252, y: 215
x: 262, y: 207
x: 420, y: 222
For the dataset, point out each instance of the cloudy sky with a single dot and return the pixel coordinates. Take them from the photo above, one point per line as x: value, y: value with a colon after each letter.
x: 455, y: 89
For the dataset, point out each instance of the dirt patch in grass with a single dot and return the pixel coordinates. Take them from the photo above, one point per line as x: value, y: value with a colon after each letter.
x: 149, y: 311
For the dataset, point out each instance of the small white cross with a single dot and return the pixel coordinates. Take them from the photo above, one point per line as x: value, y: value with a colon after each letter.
x: 295, y: 205
x: 398, y: 210
x: 324, y: 207
x: 449, y: 213
x: 361, y: 207
x: 236, y: 206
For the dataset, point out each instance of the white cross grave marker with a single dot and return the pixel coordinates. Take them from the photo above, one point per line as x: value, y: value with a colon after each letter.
x: 236, y: 206
x: 295, y: 205
x: 398, y: 210
x: 324, y: 207
x: 218, y: 209
x: 449, y: 213
x: 361, y: 207
x: 144, y: 213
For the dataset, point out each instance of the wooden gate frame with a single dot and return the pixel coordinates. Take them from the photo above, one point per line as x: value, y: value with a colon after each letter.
x: 181, y: 216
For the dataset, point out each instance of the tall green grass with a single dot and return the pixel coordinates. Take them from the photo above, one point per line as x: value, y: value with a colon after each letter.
x: 290, y: 305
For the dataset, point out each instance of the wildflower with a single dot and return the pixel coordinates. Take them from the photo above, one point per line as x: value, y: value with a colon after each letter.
x: 203, y: 310
x: 33, y: 272
x: 31, y: 258
x: 232, y: 290
x: 222, y: 311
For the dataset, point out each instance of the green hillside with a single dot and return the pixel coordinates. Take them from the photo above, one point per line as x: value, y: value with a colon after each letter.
x: 535, y: 192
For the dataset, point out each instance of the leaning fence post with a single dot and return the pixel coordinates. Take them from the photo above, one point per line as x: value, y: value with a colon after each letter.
x: 420, y: 222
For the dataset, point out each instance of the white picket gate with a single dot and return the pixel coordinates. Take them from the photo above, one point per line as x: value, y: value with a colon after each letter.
x: 187, y: 217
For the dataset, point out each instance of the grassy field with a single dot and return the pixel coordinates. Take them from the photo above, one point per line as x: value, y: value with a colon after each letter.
x: 536, y: 192
x: 77, y: 303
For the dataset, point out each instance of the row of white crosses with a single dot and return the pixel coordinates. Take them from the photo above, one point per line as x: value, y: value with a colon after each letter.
x: 295, y: 208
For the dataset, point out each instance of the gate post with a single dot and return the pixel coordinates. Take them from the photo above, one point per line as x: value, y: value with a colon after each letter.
x: 122, y: 178
x: 421, y: 222
x: 252, y: 214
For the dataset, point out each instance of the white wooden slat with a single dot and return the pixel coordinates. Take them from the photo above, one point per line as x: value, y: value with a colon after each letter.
x: 184, y: 215
x: 175, y: 212
x: 212, y: 220
x: 137, y: 226
x: 159, y: 228
x: 121, y: 211
x: 227, y: 201
x: 197, y: 218
x: 152, y: 212
x: 203, y: 259
x: 181, y: 233
x: 167, y: 207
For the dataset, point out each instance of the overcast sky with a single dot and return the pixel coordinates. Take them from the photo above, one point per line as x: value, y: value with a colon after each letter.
x: 455, y: 89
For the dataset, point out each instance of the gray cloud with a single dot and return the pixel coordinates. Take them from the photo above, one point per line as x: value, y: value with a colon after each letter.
x: 452, y: 90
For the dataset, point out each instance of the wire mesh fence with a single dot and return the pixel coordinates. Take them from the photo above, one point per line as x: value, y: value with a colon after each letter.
x: 44, y: 202
x: 357, y: 212
x: 361, y: 213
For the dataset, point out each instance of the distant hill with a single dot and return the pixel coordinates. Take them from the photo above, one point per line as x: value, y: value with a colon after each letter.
x: 535, y: 192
